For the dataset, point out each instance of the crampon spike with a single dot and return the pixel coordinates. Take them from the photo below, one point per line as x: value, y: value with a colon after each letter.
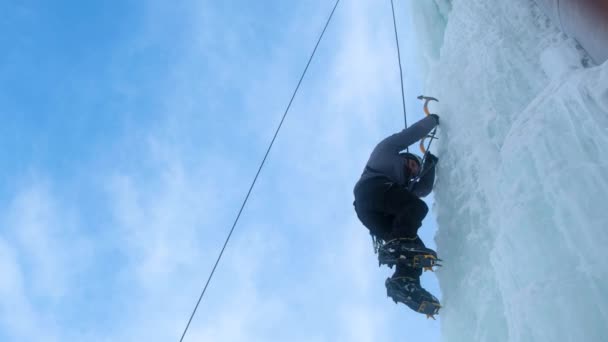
x: 429, y: 309
x: 425, y: 261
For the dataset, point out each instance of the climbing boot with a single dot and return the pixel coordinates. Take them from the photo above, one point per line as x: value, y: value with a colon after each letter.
x: 408, y: 291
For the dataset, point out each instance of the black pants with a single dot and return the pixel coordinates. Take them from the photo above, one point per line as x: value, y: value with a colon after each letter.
x: 390, y: 211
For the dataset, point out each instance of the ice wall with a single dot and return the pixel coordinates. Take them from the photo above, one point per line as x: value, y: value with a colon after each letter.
x: 521, y: 196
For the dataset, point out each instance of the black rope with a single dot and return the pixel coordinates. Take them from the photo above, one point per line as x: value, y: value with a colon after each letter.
x: 258, y: 172
x: 400, y: 68
x: 433, y: 137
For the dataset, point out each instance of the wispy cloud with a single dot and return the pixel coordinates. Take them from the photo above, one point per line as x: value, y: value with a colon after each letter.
x: 300, y: 265
x: 42, y: 256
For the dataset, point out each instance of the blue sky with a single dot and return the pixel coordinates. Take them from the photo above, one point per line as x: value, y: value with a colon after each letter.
x: 132, y: 132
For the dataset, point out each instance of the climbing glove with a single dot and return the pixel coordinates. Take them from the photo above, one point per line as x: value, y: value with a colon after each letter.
x: 436, y: 117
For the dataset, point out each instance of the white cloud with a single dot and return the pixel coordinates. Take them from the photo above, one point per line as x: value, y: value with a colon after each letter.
x: 300, y: 265
x: 48, y: 244
x: 41, y: 256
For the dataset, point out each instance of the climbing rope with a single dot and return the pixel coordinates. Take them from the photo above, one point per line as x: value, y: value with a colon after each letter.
x: 378, y: 243
x: 400, y: 68
x: 259, y: 170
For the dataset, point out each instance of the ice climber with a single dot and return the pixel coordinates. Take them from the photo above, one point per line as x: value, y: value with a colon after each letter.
x: 387, y: 202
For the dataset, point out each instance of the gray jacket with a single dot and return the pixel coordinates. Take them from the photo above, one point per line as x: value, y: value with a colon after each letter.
x: 385, y: 160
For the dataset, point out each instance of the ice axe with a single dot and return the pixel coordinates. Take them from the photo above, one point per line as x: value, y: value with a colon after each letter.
x: 427, y: 99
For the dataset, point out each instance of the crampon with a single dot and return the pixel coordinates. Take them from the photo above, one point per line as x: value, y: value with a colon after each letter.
x: 409, y: 292
x: 397, y: 252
